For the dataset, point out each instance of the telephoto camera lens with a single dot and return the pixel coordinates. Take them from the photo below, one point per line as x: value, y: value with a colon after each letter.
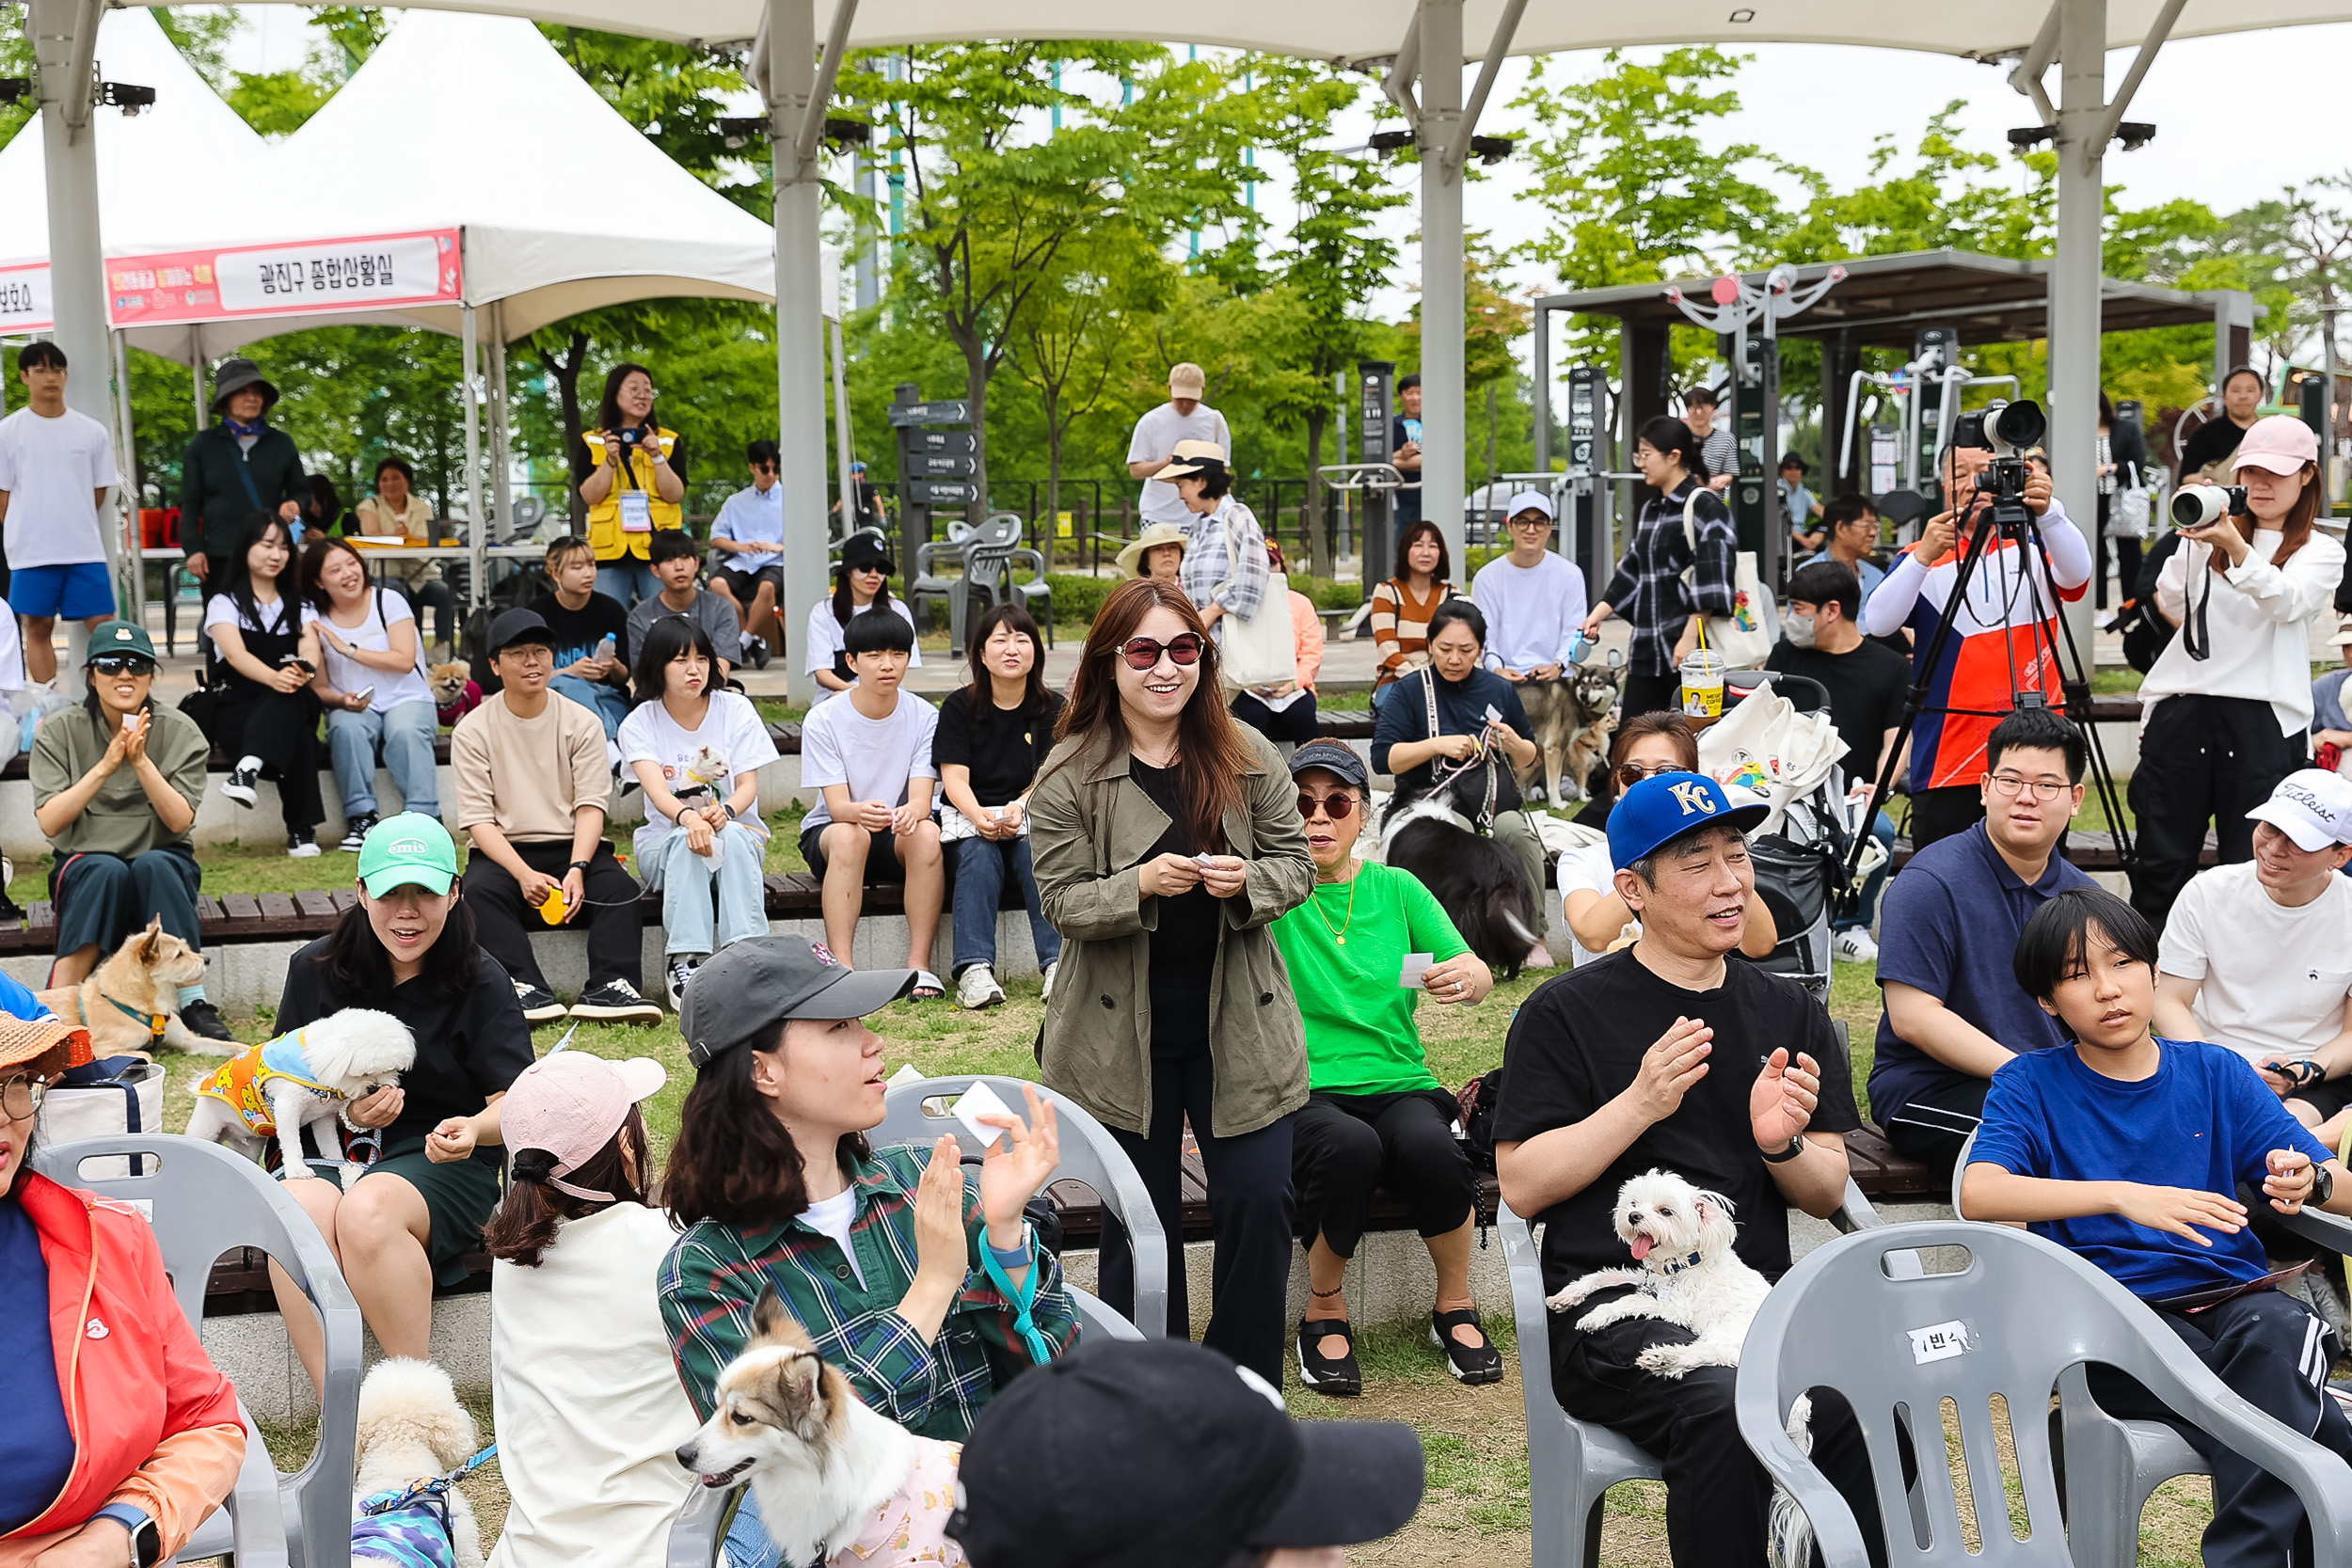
x: 2018, y: 424
x: 2204, y: 505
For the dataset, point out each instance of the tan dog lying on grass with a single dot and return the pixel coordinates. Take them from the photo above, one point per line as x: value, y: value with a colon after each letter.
x: 130, y: 1003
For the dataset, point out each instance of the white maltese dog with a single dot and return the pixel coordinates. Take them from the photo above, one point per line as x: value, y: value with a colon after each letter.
x: 1681, y: 1236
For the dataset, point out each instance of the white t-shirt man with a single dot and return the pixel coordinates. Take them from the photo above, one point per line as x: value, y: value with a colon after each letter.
x: 874, y: 757
x: 52, y: 470
x: 824, y: 646
x: 1155, y: 437
x: 731, y: 727
x: 2272, y: 981
x: 1532, y: 611
x: 348, y: 675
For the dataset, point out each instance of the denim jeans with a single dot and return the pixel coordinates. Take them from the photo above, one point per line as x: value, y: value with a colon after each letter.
x: 608, y: 703
x: 1863, y: 911
x: 684, y: 879
x: 979, y: 884
x: 408, y: 734
x: 627, y: 579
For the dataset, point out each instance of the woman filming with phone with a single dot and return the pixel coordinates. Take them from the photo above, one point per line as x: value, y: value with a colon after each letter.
x: 2229, y: 701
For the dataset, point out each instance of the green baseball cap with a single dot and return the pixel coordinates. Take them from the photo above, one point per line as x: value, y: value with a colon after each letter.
x: 119, y: 637
x: 410, y: 847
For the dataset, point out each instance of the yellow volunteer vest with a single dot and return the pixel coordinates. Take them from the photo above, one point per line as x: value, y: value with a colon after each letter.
x: 604, y: 519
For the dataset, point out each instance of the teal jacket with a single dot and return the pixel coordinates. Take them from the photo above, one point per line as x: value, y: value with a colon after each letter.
x: 214, y: 505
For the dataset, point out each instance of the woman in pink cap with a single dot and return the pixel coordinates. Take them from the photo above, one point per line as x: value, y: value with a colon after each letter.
x: 2229, y: 701
x: 589, y: 1413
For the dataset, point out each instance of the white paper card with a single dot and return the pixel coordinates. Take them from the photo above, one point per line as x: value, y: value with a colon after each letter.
x: 1416, y: 965
x: 1938, y: 1341
x: 977, y: 1102
x: 907, y: 1074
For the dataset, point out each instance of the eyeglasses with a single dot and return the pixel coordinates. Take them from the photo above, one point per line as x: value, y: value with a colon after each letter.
x: 1337, y: 807
x: 21, y: 1096
x: 122, y: 664
x: 1631, y: 773
x: 2009, y: 785
x: 1143, y: 652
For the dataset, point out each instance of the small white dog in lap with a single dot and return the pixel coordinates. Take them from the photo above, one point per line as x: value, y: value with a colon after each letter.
x: 302, y: 1079
x: 1681, y: 1236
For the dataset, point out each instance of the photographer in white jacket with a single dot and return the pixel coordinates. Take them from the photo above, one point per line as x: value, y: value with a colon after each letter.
x: 2229, y: 702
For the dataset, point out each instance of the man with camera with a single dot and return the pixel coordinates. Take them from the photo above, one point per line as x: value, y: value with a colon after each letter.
x: 2229, y: 701
x: 2003, y: 638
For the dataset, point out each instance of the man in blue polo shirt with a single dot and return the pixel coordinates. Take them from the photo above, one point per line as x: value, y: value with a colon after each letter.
x: 1948, y: 935
x: 750, y: 534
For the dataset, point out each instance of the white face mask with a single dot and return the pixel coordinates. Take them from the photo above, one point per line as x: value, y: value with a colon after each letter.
x: 1798, y: 629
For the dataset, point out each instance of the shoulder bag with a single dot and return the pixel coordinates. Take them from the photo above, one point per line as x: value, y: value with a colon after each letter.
x: 1740, y: 637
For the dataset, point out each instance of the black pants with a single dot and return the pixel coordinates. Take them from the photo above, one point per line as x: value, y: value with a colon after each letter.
x: 1718, y: 1497
x: 1345, y: 1145
x: 1934, y: 1126
x: 2270, y: 1348
x: 2127, y: 564
x: 1651, y: 694
x: 282, y: 729
x: 1249, y: 1215
x: 502, y: 918
x: 2202, y: 759
x: 1942, y: 811
x: 1294, y: 724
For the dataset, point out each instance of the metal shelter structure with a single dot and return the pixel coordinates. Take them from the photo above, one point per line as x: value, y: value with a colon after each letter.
x: 1884, y: 302
x: 1420, y: 47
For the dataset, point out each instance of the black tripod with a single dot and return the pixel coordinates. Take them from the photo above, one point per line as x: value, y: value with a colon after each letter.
x: 2074, y: 691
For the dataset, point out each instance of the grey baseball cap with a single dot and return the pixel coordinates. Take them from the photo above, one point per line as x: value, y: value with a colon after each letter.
x: 750, y: 986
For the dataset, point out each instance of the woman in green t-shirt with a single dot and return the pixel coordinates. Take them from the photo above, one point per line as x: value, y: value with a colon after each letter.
x: 1374, y: 1116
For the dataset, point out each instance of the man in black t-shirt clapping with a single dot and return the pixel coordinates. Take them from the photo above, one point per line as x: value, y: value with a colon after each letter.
x: 1640, y: 1060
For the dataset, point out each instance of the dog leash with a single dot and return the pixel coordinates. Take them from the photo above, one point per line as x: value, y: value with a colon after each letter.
x: 433, y: 1491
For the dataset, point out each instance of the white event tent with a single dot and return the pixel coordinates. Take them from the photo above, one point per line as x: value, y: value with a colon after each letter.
x: 1420, y: 47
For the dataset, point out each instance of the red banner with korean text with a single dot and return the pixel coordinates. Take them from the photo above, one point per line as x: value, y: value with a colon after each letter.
x: 295, y: 277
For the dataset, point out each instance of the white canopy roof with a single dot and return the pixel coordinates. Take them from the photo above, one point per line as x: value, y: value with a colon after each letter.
x: 1358, y: 29
x: 164, y: 175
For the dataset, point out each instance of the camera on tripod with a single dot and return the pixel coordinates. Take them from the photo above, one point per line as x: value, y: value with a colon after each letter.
x: 2204, y: 505
x: 2006, y: 429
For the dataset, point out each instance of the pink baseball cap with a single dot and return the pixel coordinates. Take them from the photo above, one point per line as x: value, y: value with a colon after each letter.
x: 2281, y: 443
x: 571, y: 1103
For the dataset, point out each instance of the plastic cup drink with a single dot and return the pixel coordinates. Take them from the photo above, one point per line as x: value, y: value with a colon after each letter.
x: 1703, y: 684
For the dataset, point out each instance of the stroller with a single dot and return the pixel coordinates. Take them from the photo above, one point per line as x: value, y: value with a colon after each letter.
x: 1778, y: 743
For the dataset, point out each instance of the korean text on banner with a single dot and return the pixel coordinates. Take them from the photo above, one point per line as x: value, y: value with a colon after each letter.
x: 25, y: 299
x: 303, y: 277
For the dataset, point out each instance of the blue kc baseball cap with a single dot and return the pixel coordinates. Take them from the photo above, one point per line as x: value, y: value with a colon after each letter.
x: 1664, y: 806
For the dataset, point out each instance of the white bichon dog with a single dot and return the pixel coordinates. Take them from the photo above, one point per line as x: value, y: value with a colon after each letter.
x: 412, y: 1429
x: 302, y: 1079
x: 1682, y: 1236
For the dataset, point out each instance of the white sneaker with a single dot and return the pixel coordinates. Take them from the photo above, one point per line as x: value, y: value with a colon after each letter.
x: 1049, y: 978
x: 682, y: 967
x: 1854, y: 946
x: 977, y: 987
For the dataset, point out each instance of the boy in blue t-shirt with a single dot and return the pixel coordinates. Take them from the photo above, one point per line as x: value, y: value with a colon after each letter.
x: 2129, y: 1149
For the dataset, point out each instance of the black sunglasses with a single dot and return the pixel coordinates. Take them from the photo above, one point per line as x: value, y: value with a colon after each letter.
x: 1336, y: 807
x: 119, y: 664
x: 1143, y: 652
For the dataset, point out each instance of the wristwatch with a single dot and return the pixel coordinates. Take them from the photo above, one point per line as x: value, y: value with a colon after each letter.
x: 577, y: 866
x: 147, y: 1542
x: 1796, y: 1147
x: 2322, y: 1185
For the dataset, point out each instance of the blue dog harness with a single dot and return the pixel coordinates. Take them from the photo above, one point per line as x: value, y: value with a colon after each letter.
x: 409, y: 1525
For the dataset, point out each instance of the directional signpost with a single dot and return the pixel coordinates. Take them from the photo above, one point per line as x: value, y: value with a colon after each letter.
x: 936, y: 467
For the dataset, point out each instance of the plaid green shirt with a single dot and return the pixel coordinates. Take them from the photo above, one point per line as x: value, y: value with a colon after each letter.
x: 714, y: 1274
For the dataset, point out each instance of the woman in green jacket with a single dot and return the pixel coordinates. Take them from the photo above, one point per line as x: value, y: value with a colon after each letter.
x: 233, y: 469
x: 1166, y: 841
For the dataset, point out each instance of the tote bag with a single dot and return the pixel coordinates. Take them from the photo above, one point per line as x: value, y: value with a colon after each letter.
x: 112, y: 1095
x: 1740, y: 637
x: 1264, y: 650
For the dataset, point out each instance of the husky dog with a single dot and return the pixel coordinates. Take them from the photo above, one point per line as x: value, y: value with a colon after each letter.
x: 1681, y: 1236
x: 834, y: 1482
x: 412, y: 1429
x: 1572, y: 717
x: 130, y: 1003
x: 300, y: 1079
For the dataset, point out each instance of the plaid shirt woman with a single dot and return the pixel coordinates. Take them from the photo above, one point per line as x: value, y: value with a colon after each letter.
x: 1648, y: 589
x: 1225, y: 568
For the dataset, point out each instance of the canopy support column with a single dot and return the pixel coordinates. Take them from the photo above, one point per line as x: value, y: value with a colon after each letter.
x: 65, y: 37
x: 1444, y: 401
x: 196, y: 370
x: 127, y: 491
x: 2076, y: 278
x: 477, y: 520
x: 501, y: 439
x: 795, y: 123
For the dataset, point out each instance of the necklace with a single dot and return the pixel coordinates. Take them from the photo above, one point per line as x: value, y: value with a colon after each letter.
x: 1340, y: 935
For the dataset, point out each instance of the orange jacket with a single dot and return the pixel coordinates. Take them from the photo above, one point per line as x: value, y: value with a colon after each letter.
x: 154, y: 1422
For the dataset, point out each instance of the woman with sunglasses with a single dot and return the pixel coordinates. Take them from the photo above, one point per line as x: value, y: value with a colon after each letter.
x: 120, y: 1440
x: 859, y: 583
x: 1648, y: 743
x: 1376, y: 1115
x: 1167, y: 842
x: 115, y: 784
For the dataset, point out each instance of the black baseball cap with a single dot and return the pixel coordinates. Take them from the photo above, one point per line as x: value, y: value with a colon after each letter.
x: 750, y: 986
x: 1164, y: 1455
x: 863, y: 550
x: 518, y: 626
x: 1332, y: 757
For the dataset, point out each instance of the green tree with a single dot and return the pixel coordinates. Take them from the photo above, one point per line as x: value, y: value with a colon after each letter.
x: 673, y: 92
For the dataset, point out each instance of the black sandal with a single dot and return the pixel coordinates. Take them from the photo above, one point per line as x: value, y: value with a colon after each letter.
x: 1339, y: 1376
x: 1469, y: 1363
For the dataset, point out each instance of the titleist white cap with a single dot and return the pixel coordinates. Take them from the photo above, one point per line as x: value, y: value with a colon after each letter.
x: 2312, y: 806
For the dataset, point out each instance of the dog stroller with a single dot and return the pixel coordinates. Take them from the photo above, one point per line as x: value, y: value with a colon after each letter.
x: 1777, y: 741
